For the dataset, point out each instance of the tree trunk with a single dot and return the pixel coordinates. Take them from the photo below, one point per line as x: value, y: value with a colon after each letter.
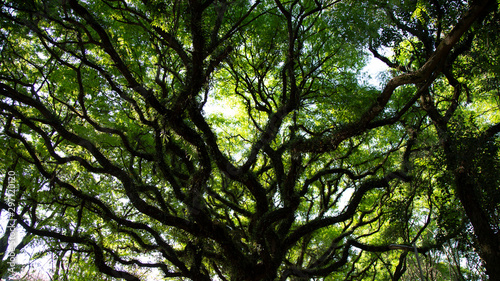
x: 487, y: 239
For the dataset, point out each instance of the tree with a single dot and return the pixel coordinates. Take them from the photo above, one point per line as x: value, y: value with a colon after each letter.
x: 117, y: 106
x: 470, y: 146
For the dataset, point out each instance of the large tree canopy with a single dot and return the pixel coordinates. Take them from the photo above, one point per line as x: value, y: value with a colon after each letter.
x: 239, y: 140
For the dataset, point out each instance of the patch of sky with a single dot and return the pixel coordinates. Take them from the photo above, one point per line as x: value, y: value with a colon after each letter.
x: 374, y: 73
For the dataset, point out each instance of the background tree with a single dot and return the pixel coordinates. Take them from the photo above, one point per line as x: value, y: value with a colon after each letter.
x: 469, y: 144
x: 234, y: 140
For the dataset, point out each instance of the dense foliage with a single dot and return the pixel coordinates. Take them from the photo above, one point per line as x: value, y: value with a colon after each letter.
x: 240, y: 140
